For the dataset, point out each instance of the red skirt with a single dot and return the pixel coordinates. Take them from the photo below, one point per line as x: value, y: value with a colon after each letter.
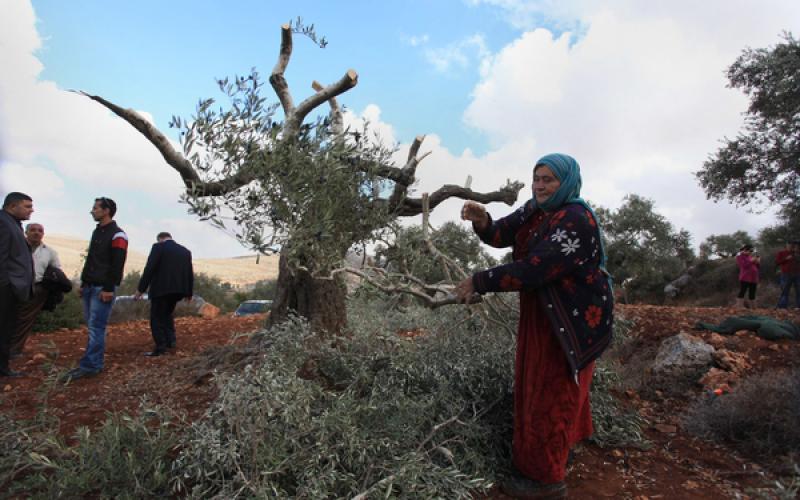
x: 551, y: 411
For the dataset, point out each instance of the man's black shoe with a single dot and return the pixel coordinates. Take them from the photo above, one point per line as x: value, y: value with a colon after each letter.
x: 75, y: 374
x: 8, y: 372
x: 157, y: 352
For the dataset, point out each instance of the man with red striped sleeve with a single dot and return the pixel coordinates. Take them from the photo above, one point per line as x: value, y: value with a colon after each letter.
x: 102, y: 273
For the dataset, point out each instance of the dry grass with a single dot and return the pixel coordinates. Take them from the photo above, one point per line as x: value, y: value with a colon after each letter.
x: 237, y: 271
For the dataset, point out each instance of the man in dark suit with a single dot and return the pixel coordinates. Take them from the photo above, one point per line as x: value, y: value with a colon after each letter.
x: 16, y: 271
x: 169, y: 275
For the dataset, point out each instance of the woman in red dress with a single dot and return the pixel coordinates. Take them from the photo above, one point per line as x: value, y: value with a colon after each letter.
x: 566, y: 309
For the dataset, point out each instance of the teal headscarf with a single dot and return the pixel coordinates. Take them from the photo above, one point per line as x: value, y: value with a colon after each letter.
x: 567, y: 170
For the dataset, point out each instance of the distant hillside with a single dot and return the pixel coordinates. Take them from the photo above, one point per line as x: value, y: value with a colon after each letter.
x: 235, y: 270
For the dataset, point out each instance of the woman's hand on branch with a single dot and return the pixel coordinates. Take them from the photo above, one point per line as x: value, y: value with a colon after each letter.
x: 464, y: 291
x: 476, y: 213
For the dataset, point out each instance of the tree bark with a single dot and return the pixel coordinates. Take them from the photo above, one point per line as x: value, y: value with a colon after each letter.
x: 321, y: 301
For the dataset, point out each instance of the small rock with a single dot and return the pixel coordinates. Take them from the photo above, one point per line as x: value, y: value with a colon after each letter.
x: 716, y: 340
x: 617, y: 453
x: 716, y: 378
x: 39, y: 357
x: 691, y: 485
x: 774, y: 347
x: 731, y: 361
x: 7, y: 387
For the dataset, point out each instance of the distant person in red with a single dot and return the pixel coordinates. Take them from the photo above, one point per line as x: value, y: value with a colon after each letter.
x: 169, y: 277
x: 789, y: 261
x: 749, y: 264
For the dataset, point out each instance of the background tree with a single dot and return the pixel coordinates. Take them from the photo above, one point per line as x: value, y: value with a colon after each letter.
x: 763, y: 161
x: 304, y: 185
x: 724, y: 245
x: 644, y: 251
x: 462, y: 245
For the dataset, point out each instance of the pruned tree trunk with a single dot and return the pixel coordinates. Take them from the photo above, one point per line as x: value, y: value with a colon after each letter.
x: 321, y: 301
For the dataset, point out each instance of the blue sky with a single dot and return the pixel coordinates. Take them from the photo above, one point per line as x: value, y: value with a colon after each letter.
x: 636, y: 91
x: 163, y: 56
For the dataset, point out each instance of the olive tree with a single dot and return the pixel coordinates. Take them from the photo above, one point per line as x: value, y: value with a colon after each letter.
x: 763, y: 160
x: 300, y: 183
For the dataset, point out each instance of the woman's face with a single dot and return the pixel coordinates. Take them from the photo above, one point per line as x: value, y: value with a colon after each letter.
x: 545, y: 183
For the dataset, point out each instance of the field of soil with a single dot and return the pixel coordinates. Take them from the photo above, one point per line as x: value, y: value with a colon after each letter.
x: 676, y: 465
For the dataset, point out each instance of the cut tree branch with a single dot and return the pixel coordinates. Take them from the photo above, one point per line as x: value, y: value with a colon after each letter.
x: 174, y: 158
x: 408, y: 172
x: 296, y: 117
x: 337, y: 121
x: 276, y: 79
x: 507, y: 194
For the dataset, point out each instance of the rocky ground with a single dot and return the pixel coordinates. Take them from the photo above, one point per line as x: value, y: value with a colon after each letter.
x: 675, y: 465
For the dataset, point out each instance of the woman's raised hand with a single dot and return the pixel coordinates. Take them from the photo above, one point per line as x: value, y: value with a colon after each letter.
x: 475, y: 212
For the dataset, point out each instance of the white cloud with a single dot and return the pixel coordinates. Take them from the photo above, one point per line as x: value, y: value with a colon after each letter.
x: 52, y: 138
x: 640, y: 98
x: 40, y: 183
x: 527, y: 15
x: 416, y: 40
x: 457, y: 55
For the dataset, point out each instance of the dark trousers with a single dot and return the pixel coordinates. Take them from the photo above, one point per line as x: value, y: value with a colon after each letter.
x: 162, y: 323
x: 28, y: 311
x: 9, y: 309
x: 750, y: 288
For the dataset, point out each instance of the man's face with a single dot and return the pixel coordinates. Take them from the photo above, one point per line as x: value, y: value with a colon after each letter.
x: 21, y: 210
x: 34, y: 233
x: 98, y: 212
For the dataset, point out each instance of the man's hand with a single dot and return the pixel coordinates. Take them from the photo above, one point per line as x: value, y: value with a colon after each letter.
x: 475, y: 212
x: 106, y: 296
x: 137, y: 295
x: 464, y: 291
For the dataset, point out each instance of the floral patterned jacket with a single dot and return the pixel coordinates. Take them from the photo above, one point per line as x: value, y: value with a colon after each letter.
x: 562, y: 266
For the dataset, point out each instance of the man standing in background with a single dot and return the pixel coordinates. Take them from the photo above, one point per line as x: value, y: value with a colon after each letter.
x: 43, y: 257
x: 170, y: 277
x: 16, y: 271
x: 102, y: 273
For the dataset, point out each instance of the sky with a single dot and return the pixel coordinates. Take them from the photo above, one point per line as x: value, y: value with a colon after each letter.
x: 635, y: 91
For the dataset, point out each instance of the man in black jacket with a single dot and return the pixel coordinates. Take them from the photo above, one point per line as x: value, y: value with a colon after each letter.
x: 102, y: 273
x: 16, y: 271
x: 169, y: 275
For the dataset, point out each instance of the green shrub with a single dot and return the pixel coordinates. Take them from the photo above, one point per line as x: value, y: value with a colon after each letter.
x: 261, y: 290
x: 758, y: 418
x: 68, y: 314
x: 127, y: 457
x: 372, y: 412
x: 215, y: 291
